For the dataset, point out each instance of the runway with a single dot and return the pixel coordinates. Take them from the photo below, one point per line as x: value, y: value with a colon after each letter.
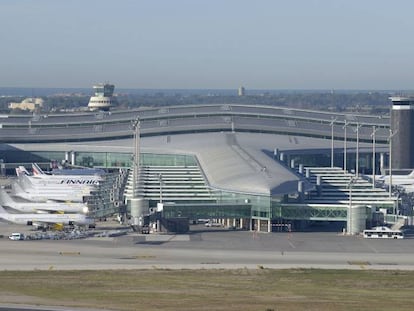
x: 210, y: 249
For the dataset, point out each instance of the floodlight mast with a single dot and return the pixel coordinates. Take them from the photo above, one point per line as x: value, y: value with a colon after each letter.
x: 345, y: 146
x: 332, y: 123
x: 137, y: 137
x: 358, y: 126
x: 374, y: 130
x: 392, y: 134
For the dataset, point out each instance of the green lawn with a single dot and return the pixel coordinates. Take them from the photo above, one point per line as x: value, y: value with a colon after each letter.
x: 241, y: 289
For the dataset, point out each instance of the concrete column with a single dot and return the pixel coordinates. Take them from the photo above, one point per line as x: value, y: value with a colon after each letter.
x: 234, y: 222
x: 301, y: 192
x: 282, y: 157
x: 292, y: 163
x: 301, y: 169
x: 307, y: 173
x: 67, y: 156
x: 319, y: 184
x: 73, y: 157
x: 382, y: 160
x: 228, y: 222
x: 241, y: 223
x: 275, y: 153
x: 269, y: 226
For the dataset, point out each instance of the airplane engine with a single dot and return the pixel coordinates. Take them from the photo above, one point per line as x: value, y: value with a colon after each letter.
x: 30, y: 223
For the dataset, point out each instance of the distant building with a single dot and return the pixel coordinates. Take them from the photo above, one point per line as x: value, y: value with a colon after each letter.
x: 103, y: 97
x: 242, y: 91
x: 30, y: 104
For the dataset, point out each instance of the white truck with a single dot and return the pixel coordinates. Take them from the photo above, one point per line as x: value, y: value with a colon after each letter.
x: 15, y: 236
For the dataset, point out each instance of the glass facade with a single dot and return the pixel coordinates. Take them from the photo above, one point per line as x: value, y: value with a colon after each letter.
x: 219, y: 204
x: 153, y: 159
x: 103, y: 159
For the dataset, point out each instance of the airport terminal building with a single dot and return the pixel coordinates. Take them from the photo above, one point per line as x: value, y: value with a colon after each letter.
x: 245, y: 166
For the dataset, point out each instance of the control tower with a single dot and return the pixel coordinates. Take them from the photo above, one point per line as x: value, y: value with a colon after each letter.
x: 402, y: 125
x: 103, y: 99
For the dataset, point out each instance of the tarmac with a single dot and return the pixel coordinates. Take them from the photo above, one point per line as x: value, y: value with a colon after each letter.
x: 202, y: 248
x: 206, y: 248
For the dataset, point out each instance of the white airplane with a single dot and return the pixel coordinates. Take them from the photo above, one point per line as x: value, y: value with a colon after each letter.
x: 399, y: 180
x: 28, y: 184
x: 47, y: 194
x: 42, y: 207
x: 46, y: 220
x: 68, y: 180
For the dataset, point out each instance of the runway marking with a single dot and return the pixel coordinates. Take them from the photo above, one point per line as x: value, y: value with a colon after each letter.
x: 139, y: 257
x: 357, y: 262
x: 144, y: 256
x: 69, y: 253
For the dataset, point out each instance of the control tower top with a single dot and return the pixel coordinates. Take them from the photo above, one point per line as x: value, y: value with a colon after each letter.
x: 103, y: 99
x: 402, y: 102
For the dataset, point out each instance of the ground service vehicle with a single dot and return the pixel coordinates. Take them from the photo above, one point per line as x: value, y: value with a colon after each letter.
x: 15, y: 236
x: 383, y: 233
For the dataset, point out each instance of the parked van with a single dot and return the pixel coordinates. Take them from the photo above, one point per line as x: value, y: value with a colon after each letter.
x: 16, y: 236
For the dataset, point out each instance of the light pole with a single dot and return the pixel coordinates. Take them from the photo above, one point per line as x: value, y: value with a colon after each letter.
x: 374, y: 130
x: 358, y: 126
x: 160, y: 180
x: 332, y: 141
x: 345, y: 147
x: 390, y: 164
x: 136, y: 126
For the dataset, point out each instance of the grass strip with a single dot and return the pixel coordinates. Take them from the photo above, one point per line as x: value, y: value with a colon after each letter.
x: 212, y: 289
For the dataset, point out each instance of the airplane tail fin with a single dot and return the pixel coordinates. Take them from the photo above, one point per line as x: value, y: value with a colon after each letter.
x: 18, y: 172
x: 411, y: 175
x: 55, y: 165
x: 37, y: 170
x: 5, y: 198
x: 21, y: 170
x: 2, y: 211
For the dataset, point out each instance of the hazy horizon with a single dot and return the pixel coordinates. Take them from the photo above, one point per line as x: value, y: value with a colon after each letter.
x: 187, y: 44
x: 33, y: 91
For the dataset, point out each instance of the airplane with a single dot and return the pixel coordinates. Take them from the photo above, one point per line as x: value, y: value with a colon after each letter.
x: 42, y: 207
x: 62, y: 179
x: 399, y: 180
x: 28, y: 183
x: 48, y: 194
x: 47, y: 220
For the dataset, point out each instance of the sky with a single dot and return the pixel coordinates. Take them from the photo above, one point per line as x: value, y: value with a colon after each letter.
x: 208, y: 44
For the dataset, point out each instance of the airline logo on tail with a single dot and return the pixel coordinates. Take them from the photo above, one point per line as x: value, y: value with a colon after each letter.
x: 21, y: 170
x: 36, y: 169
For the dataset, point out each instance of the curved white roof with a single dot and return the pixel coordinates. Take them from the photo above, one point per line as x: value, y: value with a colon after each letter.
x: 239, y: 162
